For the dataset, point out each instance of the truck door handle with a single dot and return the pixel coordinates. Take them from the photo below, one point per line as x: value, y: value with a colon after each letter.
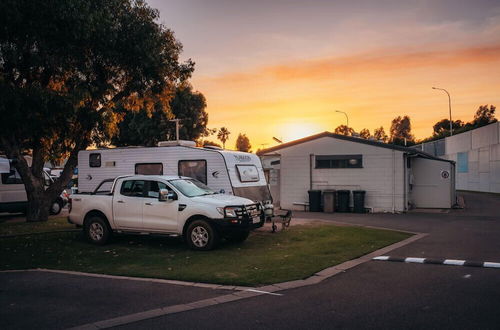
x: 148, y: 203
x: 120, y: 201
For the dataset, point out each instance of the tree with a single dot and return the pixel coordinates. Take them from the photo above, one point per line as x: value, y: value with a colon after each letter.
x: 243, y: 143
x: 65, y: 68
x: 223, y: 136
x: 484, y: 116
x: 380, y: 135
x: 401, y: 131
x: 344, y: 130
x: 365, y: 133
x: 148, y: 127
x: 442, y: 127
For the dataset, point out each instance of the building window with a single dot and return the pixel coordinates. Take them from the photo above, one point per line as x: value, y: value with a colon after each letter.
x: 339, y: 161
x: 248, y: 173
x: 463, y: 162
x: 149, y: 168
x: 196, y: 169
x: 95, y: 160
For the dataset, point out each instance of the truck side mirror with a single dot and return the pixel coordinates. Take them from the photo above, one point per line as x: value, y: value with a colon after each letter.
x: 166, y: 195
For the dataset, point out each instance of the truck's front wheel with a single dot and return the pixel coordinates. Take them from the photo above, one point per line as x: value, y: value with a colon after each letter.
x: 200, y: 235
x: 97, y: 230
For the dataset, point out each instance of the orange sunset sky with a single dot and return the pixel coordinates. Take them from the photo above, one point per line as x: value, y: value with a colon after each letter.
x: 282, y: 68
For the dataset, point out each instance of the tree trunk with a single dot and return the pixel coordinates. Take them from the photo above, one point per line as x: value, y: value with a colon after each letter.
x: 38, y: 205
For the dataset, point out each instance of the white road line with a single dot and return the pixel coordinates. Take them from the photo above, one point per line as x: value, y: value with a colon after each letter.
x: 265, y: 292
x: 415, y: 260
x: 454, y: 262
x: 491, y: 264
x: 381, y: 258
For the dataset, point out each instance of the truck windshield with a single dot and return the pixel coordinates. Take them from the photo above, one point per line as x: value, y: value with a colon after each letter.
x: 192, y: 188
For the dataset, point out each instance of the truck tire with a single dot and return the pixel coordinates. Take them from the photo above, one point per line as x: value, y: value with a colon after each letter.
x: 238, y: 237
x: 55, y: 207
x: 201, y: 236
x: 97, y: 230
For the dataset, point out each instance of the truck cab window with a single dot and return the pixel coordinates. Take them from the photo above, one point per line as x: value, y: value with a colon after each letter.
x: 132, y: 188
x: 154, y: 189
x: 11, y: 178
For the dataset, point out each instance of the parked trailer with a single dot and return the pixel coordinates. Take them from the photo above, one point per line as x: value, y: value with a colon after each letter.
x: 231, y: 172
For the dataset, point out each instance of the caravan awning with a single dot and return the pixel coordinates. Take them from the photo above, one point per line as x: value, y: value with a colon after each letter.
x: 4, y: 165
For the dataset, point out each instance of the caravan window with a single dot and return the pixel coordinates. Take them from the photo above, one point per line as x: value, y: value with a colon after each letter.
x: 11, y: 178
x: 248, y: 173
x: 196, y: 169
x: 95, y: 160
x: 149, y: 168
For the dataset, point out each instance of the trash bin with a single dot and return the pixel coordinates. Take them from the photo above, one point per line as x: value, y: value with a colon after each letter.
x: 314, y: 200
x: 329, y: 201
x: 343, y: 197
x: 358, y: 197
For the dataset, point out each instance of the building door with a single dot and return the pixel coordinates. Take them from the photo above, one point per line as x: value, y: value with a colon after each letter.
x: 431, y: 183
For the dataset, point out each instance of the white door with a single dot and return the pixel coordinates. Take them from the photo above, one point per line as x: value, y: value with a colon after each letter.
x: 127, y: 205
x: 156, y: 215
x: 431, y: 185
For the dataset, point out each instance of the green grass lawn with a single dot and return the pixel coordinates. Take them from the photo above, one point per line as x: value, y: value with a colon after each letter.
x: 263, y: 259
x: 18, y: 228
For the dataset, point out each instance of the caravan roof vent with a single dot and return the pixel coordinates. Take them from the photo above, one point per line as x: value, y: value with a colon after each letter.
x: 173, y: 143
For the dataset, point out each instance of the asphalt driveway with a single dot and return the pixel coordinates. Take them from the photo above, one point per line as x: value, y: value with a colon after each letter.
x: 375, y: 294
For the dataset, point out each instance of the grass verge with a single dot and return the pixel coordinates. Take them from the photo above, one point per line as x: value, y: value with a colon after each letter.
x: 21, y: 228
x: 263, y: 259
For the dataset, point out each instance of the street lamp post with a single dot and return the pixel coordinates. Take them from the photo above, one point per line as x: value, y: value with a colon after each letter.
x: 346, y: 117
x: 449, y: 105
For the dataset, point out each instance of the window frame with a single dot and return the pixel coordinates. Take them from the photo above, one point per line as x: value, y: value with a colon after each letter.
x: 92, y: 164
x: 135, y: 168
x: 239, y: 174
x: 194, y: 160
x: 342, y: 159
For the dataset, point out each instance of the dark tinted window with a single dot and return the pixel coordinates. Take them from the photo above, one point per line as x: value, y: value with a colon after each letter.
x: 149, y: 168
x: 339, y: 161
x: 11, y: 178
x: 95, y: 160
x: 196, y: 169
x: 133, y: 188
x: 154, y: 189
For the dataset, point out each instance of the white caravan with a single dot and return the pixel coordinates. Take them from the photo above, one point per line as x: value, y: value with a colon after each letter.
x: 13, y: 194
x: 230, y: 172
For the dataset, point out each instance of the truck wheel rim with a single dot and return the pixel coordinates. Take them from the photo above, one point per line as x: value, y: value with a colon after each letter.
x: 55, y: 207
x: 199, y: 236
x: 96, y: 231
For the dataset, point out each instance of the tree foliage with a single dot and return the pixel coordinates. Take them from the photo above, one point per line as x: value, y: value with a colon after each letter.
x: 65, y: 67
x: 243, y: 143
x: 147, y: 128
x: 223, y: 136
x: 484, y: 115
x: 401, y: 131
x: 344, y: 130
x: 380, y: 135
x: 442, y: 127
x: 365, y: 133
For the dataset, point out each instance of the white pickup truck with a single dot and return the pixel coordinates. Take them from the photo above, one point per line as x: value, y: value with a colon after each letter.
x: 167, y: 205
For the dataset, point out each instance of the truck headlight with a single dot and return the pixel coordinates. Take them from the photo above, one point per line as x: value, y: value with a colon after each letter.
x: 232, y: 212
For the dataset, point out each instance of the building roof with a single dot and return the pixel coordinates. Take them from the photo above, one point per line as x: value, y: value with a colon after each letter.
x: 407, y: 150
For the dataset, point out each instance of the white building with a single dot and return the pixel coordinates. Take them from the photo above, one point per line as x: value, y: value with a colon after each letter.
x: 395, y: 178
x: 477, y: 155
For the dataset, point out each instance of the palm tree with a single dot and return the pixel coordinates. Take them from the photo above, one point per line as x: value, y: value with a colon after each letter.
x: 223, y: 136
